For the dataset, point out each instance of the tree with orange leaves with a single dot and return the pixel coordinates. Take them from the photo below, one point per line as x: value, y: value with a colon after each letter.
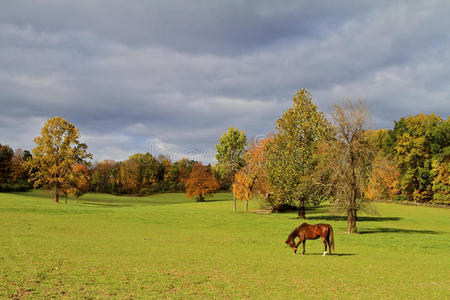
x: 78, y: 181
x: 251, y: 179
x: 242, y: 186
x: 201, y: 183
x: 383, y: 184
x: 128, y: 174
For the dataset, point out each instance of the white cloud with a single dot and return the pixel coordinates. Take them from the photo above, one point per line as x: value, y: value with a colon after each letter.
x: 18, y: 132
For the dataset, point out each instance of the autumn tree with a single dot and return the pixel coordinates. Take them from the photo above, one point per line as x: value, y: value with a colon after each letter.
x: 344, y: 165
x: 414, y: 148
x: 242, y: 187
x: 79, y: 180
x: 230, y: 151
x: 289, y: 154
x: 384, y: 178
x: 440, y: 166
x: 378, y: 141
x: 166, y: 167
x: 201, y: 184
x: 129, y: 176
x: 141, y: 174
x: 178, y: 174
x: 102, y: 177
x: 250, y: 180
x: 57, y: 149
x: 13, y: 176
x: 383, y: 182
x: 441, y: 179
x: 77, y: 183
x: 149, y: 172
x: 18, y: 171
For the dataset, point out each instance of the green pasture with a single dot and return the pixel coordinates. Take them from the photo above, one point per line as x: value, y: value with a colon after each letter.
x: 167, y: 246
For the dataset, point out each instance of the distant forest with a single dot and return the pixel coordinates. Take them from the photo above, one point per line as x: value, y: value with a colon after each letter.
x: 409, y: 162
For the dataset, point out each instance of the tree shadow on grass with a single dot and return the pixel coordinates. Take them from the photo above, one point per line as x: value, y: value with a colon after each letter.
x: 396, y: 230
x: 361, y: 219
x: 219, y: 197
x: 309, y: 209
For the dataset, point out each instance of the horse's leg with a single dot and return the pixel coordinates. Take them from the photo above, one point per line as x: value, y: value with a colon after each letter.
x: 296, y: 246
x: 325, y: 244
x: 329, y: 245
x: 304, y: 242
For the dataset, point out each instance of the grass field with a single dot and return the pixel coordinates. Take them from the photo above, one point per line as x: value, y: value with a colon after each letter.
x: 166, y: 246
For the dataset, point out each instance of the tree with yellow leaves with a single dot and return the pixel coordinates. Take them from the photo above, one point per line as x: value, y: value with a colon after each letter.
x: 242, y: 187
x: 418, y: 140
x: 57, y: 149
x: 441, y: 180
x: 77, y: 183
x: 251, y: 179
x: 383, y: 183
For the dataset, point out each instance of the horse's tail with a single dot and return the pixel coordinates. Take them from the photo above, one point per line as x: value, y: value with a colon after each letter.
x: 331, y: 238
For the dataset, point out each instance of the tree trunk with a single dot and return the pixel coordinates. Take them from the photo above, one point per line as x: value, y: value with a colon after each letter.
x: 351, y: 211
x: 301, y: 212
x: 56, y: 194
x: 351, y: 216
x: 234, y: 200
x: 351, y: 221
x: 246, y: 206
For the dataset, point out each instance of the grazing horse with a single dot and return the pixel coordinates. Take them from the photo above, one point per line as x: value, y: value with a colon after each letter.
x: 311, y: 232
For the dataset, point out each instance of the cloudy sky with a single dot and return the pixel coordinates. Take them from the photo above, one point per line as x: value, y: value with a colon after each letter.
x: 170, y: 76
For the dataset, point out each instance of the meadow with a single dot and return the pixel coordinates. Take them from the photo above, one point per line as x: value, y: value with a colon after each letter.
x: 166, y: 246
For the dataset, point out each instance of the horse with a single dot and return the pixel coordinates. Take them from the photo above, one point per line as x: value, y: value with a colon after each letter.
x: 311, y: 232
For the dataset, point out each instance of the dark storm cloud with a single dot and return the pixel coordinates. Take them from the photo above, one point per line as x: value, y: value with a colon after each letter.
x: 225, y: 27
x: 172, y: 76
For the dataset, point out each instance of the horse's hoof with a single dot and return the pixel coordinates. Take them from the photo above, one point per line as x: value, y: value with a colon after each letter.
x: 325, y: 253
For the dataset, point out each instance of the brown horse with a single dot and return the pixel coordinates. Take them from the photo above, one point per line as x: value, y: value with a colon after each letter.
x: 311, y: 232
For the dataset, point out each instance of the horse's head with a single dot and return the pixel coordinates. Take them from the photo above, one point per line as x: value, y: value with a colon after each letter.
x: 291, y: 243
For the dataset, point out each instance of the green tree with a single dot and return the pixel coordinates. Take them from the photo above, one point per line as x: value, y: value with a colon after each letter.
x: 378, y: 141
x: 57, y: 149
x: 179, y: 173
x: 440, y: 173
x: 150, y: 172
x: 129, y: 176
x: 230, y: 151
x: 102, y: 176
x: 289, y: 154
x: 414, y: 148
x: 6, y: 158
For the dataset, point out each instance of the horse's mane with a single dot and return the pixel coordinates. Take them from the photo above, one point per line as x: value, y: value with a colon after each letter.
x: 294, y: 232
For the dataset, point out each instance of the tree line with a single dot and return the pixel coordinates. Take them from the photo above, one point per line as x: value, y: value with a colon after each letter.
x: 308, y: 158
x: 141, y: 174
x: 13, y: 175
x: 61, y: 163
